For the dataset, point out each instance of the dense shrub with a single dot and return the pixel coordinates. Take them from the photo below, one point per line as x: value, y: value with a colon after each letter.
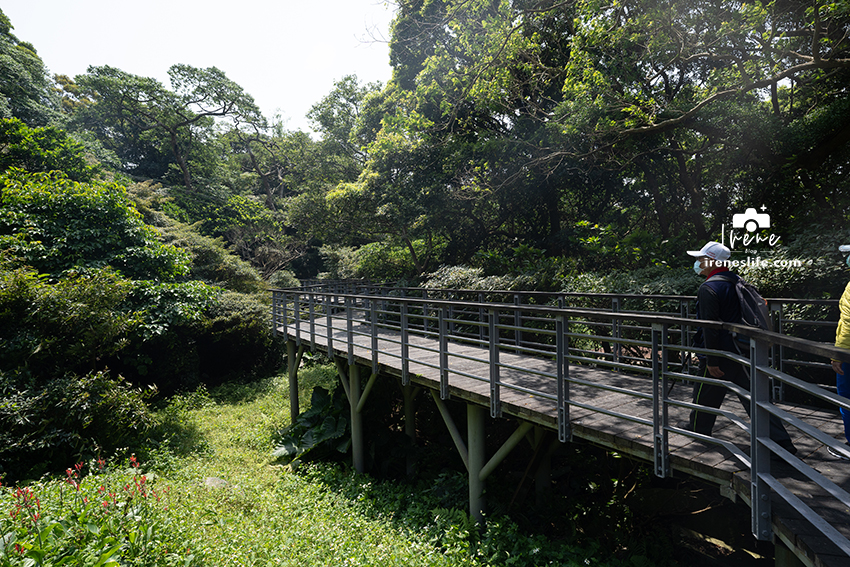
x: 236, y: 341
x: 42, y: 150
x: 45, y: 426
x: 465, y: 277
x: 55, y: 224
x: 69, y: 326
x: 283, y: 279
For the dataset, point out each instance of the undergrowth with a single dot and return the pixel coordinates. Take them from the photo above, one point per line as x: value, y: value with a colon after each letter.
x: 207, y: 492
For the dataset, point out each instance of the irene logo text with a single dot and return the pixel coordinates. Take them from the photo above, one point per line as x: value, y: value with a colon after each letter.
x: 750, y: 221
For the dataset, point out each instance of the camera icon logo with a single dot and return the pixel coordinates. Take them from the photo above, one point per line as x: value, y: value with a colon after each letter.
x: 751, y: 220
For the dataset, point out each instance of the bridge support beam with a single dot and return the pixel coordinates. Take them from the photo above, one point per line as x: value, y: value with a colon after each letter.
x: 293, y: 361
x: 544, y: 446
x: 356, y: 399
x: 357, y: 454
x: 475, y: 418
x: 410, y: 392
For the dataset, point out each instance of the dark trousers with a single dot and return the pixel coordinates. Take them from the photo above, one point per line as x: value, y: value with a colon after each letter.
x: 712, y: 396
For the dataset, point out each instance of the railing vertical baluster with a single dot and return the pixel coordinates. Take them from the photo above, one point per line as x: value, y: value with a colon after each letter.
x: 374, y: 332
x: 425, y: 310
x: 444, y: 353
x: 517, y: 321
x: 349, y: 328
x: 615, y: 330
x: 285, y: 314
x: 685, y: 336
x: 563, y: 375
x: 296, y: 307
x: 777, y: 352
x: 405, y: 346
x: 659, y: 407
x: 312, y: 312
x: 495, y: 401
x: 481, y: 331
x: 274, y: 313
x: 759, y: 429
x: 331, y: 300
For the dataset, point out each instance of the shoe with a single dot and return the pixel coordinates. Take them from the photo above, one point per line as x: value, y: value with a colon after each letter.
x: 686, y: 425
x: 836, y: 454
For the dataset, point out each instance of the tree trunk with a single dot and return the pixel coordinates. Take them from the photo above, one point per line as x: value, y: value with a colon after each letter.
x: 181, y: 161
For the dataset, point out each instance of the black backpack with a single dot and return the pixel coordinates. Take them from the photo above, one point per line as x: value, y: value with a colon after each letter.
x: 754, y: 311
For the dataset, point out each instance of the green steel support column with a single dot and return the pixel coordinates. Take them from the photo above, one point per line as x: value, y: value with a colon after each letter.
x: 357, y: 455
x: 543, y: 475
x: 293, y: 361
x: 475, y: 417
x: 410, y: 393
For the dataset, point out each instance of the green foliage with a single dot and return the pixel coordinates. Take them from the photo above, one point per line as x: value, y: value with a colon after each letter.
x: 320, y: 430
x: 42, y: 150
x: 70, y: 326
x: 45, y: 425
x: 465, y: 277
x: 387, y: 261
x: 55, y: 224
x: 236, y: 341
x: 96, y: 518
x: 283, y: 279
x: 25, y: 86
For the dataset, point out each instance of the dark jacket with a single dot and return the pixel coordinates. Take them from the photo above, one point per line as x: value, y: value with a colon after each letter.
x: 717, y: 300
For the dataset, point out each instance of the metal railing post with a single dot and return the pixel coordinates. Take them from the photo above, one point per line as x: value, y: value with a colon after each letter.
x: 759, y: 429
x: 778, y: 353
x: 330, y: 299
x: 495, y: 401
x: 373, y: 309
x: 685, y: 336
x: 405, y: 346
x: 481, y: 331
x: 296, y: 307
x: 349, y: 326
x: 425, y: 310
x: 659, y: 407
x: 444, y: 353
x: 562, y: 366
x: 311, y: 309
x: 517, y: 322
x: 615, y: 330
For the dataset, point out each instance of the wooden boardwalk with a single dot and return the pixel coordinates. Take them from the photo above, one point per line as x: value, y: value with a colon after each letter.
x: 528, y: 395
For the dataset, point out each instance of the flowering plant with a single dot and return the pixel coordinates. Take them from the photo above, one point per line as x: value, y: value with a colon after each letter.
x: 92, y: 517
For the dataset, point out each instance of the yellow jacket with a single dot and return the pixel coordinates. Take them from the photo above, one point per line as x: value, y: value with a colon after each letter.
x: 842, y: 334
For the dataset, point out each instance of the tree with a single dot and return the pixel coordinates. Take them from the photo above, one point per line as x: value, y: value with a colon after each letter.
x: 659, y: 116
x: 130, y: 109
x: 336, y: 118
x: 25, y: 87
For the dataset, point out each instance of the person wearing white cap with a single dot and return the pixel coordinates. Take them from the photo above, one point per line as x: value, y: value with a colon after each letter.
x: 842, y: 369
x: 717, y: 300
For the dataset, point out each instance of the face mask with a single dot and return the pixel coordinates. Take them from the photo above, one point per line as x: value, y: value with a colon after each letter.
x: 698, y: 268
x: 847, y: 261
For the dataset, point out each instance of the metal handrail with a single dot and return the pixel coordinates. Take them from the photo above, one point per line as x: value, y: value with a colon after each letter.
x: 554, y: 332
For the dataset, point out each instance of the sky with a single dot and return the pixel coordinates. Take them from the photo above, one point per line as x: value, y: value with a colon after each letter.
x: 287, y: 54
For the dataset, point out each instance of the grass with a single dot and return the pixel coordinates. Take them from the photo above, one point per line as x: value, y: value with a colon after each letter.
x: 209, y: 493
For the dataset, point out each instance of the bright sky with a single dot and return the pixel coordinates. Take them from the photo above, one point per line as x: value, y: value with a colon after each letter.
x: 286, y: 53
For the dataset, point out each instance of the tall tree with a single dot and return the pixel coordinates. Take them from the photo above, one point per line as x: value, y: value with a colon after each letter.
x: 129, y: 108
x: 26, y: 90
